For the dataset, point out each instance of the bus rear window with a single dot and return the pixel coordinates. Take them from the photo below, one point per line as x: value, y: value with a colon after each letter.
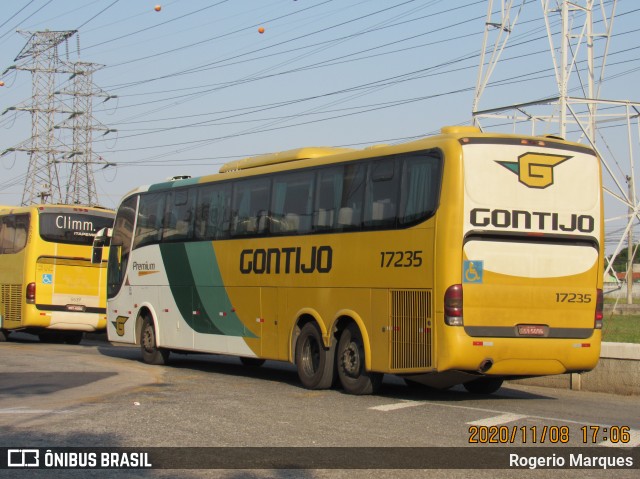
x: 72, y: 228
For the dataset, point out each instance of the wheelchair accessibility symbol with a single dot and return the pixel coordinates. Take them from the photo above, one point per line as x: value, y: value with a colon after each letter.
x: 472, y: 271
x: 47, y: 279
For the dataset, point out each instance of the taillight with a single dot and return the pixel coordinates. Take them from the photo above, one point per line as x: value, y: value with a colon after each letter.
x: 453, y: 305
x: 597, y: 324
x: 31, y: 293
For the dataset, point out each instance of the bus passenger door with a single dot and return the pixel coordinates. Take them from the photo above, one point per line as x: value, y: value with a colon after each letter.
x: 176, y: 302
x: 268, y: 320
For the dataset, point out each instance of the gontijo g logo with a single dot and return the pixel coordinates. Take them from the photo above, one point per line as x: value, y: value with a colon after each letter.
x: 535, y: 170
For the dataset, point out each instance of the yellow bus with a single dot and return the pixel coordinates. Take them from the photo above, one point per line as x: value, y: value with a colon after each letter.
x: 463, y: 258
x: 48, y: 284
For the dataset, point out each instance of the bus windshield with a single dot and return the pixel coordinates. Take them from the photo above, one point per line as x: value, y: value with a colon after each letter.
x: 72, y: 228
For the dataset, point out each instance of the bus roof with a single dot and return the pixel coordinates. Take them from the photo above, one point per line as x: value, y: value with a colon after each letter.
x: 457, y: 133
x: 282, y: 157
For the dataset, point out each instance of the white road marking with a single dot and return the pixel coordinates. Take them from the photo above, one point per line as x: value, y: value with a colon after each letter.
x: 24, y: 410
x: 634, y: 439
x: 495, y: 420
x: 394, y: 406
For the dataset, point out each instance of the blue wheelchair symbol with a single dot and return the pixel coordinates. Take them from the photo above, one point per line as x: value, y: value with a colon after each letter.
x: 47, y: 279
x: 472, y: 271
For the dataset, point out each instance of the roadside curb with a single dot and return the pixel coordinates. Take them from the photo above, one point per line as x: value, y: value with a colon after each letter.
x: 617, y: 372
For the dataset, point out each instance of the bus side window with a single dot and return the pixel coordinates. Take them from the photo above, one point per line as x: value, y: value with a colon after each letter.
x: 350, y: 213
x: 292, y: 203
x: 150, y: 218
x: 382, y: 193
x: 22, y: 231
x: 420, y: 180
x: 248, y: 214
x: 179, y: 216
x: 329, y: 183
x: 3, y: 235
x: 212, y: 212
x: 13, y: 233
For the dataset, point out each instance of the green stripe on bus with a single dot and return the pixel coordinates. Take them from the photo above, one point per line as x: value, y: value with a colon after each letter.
x: 198, y: 289
x: 173, y: 184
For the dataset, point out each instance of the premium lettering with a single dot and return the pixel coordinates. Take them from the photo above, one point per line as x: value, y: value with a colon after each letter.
x: 286, y: 260
x: 143, y: 266
x: 528, y: 220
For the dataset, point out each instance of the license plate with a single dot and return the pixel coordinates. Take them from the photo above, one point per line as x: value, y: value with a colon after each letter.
x: 75, y: 307
x: 531, y: 330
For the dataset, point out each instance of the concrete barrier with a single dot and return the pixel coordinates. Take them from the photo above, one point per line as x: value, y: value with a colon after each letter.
x: 617, y: 372
x: 621, y: 308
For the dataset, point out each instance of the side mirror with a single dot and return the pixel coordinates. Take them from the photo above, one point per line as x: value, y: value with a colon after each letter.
x: 96, y: 255
x: 100, y: 240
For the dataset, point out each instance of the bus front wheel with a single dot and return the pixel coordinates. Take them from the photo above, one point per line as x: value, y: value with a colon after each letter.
x: 484, y: 385
x: 355, y: 379
x: 315, y: 363
x: 151, y: 353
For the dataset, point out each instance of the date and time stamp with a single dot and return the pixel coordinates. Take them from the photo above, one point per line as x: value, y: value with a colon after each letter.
x: 585, y: 435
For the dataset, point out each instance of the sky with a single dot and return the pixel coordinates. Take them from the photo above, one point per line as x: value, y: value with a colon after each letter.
x: 184, y: 88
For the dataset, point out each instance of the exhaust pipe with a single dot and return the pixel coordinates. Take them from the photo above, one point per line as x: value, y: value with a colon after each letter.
x: 485, y: 365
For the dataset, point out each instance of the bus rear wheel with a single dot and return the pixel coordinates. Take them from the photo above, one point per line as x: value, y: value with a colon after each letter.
x: 484, y: 385
x: 151, y: 353
x: 315, y: 363
x: 73, y: 337
x: 355, y: 379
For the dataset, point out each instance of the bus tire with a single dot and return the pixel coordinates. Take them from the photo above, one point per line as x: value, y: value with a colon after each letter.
x: 4, y: 335
x: 315, y: 363
x: 73, y: 337
x: 151, y: 353
x: 484, y: 385
x: 51, y: 337
x: 251, y: 362
x: 355, y: 379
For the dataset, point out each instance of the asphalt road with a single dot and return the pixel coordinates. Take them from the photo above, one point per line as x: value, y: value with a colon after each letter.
x: 101, y: 395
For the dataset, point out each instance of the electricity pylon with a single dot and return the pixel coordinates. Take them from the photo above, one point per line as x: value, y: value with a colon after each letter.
x: 81, y: 185
x: 47, y: 148
x: 579, y: 56
x: 42, y: 184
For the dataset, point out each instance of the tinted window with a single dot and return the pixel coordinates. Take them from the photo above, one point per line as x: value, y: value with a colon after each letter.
x: 120, y: 245
x: 352, y: 200
x: 328, y: 197
x: 180, y: 215
x: 249, y: 207
x: 383, y: 186
x: 420, y: 187
x: 213, y: 212
x: 72, y: 228
x: 13, y: 233
x: 292, y: 203
x: 151, y: 215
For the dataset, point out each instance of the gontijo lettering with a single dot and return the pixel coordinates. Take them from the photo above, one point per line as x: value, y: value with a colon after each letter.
x: 528, y: 220
x: 286, y: 260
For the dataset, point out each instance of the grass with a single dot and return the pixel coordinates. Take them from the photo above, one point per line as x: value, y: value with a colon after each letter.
x: 619, y: 328
x: 609, y: 300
